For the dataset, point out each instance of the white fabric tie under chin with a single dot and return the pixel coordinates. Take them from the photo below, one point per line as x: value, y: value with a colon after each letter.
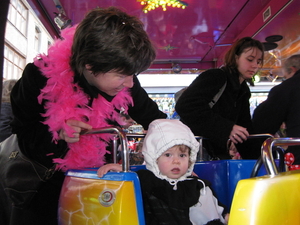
x: 174, y: 183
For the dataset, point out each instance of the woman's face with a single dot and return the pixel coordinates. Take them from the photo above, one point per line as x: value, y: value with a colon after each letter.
x: 248, y: 63
x: 111, y: 82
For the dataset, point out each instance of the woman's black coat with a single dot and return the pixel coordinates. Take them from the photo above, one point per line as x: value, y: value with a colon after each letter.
x: 215, y: 124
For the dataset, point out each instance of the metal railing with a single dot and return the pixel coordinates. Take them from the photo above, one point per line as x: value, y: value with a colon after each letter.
x: 266, y: 151
x: 123, y: 137
x: 123, y: 141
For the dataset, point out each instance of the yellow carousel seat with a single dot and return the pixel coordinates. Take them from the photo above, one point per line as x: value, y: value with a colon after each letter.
x: 89, y: 200
x: 271, y: 199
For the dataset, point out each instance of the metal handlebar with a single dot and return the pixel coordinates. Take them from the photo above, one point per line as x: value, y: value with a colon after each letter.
x: 266, y: 151
x: 135, y: 135
x: 266, y: 147
x: 260, y: 136
x: 123, y: 139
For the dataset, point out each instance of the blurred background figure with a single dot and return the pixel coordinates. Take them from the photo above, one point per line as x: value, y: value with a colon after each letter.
x: 6, y: 115
x: 280, y: 111
x: 177, y: 96
x: 135, y: 144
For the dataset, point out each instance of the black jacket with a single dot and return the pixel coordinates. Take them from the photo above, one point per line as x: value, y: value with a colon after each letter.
x: 215, y: 124
x: 162, y: 204
x: 282, y: 105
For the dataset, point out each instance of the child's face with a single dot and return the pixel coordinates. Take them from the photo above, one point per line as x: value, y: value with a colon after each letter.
x: 174, y: 162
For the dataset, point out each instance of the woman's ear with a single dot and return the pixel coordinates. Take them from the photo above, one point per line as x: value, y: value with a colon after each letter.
x: 236, y: 57
x: 88, y: 67
x: 294, y: 70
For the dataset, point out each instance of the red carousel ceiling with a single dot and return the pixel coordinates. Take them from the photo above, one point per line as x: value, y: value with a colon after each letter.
x: 198, y: 35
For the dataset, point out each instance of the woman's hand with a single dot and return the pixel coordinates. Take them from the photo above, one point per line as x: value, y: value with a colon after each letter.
x: 77, y: 126
x: 111, y: 166
x: 238, y: 134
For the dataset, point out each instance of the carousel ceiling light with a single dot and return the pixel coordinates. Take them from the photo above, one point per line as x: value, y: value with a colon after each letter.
x: 153, y: 4
x: 176, y: 68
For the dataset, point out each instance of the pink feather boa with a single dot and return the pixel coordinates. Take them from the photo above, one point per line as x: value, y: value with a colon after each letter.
x: 64, y: 103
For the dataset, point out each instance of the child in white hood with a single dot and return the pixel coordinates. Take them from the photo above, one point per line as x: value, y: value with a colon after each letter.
x: 171, y: 195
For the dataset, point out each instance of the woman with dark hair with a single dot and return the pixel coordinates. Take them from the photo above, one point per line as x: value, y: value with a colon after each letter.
x: 85, y: 81
x: 227, y: 117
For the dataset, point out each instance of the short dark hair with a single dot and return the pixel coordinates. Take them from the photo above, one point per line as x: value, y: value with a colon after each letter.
x: 238, y: 48
x: 183, y: 148
x: 110, y: 39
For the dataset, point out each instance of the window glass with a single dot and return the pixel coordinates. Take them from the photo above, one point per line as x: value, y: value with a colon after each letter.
x: 17, y: 15
x: 13, y: 63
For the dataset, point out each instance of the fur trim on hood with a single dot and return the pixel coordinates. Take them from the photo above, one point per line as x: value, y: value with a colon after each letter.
x: 162, y: 135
